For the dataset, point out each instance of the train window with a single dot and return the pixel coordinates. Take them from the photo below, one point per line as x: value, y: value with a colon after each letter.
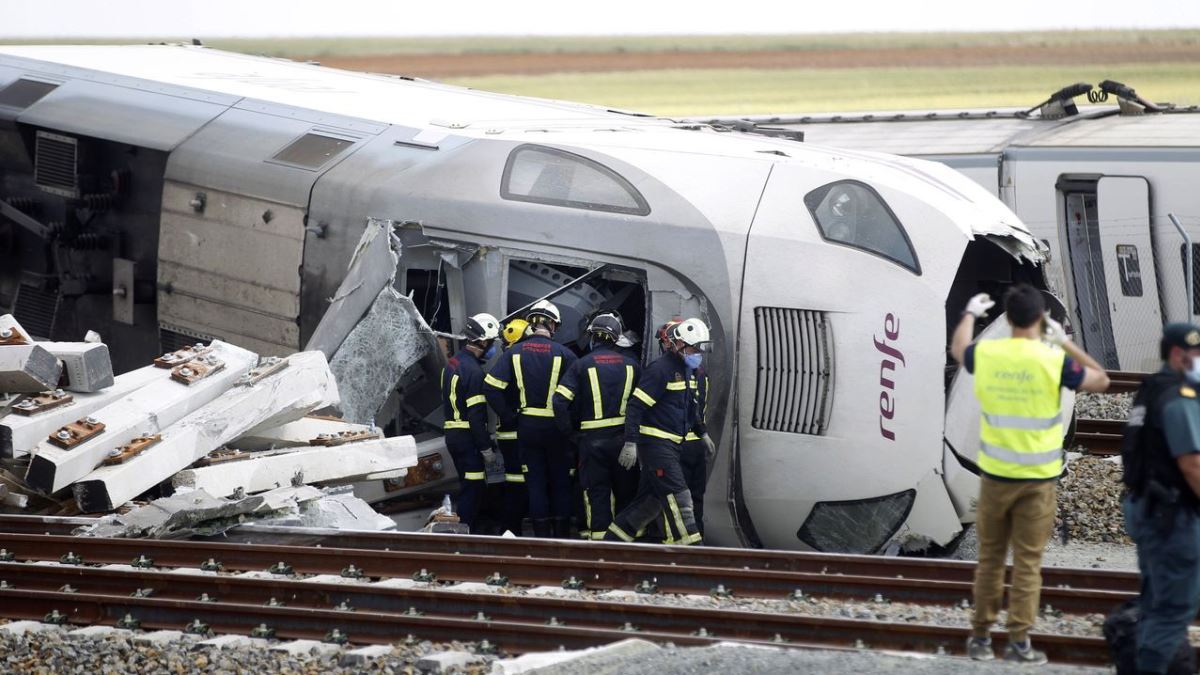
x: 24, y: 93
x: 1130, y: 271
x: 312, y: 150
x: 851, y: 213
x: 549, y: 176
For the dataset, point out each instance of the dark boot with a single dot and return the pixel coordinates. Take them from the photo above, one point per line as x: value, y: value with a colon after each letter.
x: 562, y: 528
x: 542, y: 528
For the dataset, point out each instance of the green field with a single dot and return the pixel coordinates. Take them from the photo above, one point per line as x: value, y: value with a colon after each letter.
x: 375, y: 46
x: 735, y: 92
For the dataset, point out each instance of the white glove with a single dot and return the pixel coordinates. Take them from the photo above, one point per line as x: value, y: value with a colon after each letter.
x: 1053, y: 331
x: 628, y: 456
x: 489, y: 458
x: 979, y: 305
x: 710, y: 447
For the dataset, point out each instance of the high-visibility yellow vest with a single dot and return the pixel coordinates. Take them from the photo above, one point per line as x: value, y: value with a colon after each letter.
x: 1017, y: 383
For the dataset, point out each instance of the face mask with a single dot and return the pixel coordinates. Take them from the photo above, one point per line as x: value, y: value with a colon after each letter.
x: 1192, y: 373
x: 693, y: 361
x: 491, y: 351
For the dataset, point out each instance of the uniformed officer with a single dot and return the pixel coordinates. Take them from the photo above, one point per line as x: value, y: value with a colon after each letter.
x: 516, y: 497
x: 591, y: 401
x: 465, y: 411
x: 660, y: 413
x: 1161, y: 457
x: 534, y: 367
x: 1018, y: 382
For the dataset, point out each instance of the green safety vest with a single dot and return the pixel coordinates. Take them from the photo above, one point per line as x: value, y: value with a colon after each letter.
x: 1017, y: 383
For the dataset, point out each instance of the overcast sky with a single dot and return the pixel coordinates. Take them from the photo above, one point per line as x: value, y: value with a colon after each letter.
x: 255, y: 18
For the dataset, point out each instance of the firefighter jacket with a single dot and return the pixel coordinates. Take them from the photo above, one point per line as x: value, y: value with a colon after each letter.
x: 662, y: 406
x: 698, y: 385
x: 463, y: 403
x: 534, y: 367
x: 595, y: 390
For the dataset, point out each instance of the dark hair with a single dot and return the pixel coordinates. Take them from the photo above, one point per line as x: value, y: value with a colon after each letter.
x: 1024, y: 305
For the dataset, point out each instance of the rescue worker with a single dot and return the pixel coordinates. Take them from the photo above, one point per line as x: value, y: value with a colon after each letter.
x: 534, y: 367
x: 627, y: 344
x: 1018, y: 382
x: 660, y: 413
x: 516, y: 497
x: 591, y: 401
x: 1161, y: 457
x: 698, y: 450
x: 465, y: 411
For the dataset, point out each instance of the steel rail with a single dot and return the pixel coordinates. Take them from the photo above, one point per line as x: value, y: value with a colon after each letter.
x: 598, y: 552
x: 1099, y: 437
x: 512, y: 636
x: 1122, y: 382
x: 598, y: 573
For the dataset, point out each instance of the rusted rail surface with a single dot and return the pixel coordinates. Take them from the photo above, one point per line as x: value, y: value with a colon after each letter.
x: 603, y: 564
x: 515, y: 623
x: 1099, y: 437
x: 1122, y: 382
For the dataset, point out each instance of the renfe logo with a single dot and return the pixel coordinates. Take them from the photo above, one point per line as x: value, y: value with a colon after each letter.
x: 887, y: 371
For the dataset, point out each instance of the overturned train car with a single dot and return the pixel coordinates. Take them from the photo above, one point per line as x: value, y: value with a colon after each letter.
x: 160, y: 194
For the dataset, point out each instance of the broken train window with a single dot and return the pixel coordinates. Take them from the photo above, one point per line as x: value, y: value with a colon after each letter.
x: 852, y: 213
x: 549, y: 176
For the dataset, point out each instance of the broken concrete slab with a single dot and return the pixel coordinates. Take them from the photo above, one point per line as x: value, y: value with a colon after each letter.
x: 28, y: 369
x: 445, y: 662
x: 306, y: 648
x: 163, y: 637
x: 174, y: 516
x: 12, y: 332
x: 576, y: 661
x: 231, y: 642
x: 341, y: 511
x: 87, y: 366
x: 302, y: 432
x: 363, y: 655
x: 372, y: 266
x: 148, y: 410
x: 304, y: 384
x: 390, y: 340
x: 18, y: 628
x: 97, y: 633
x: 348, y: 462
x: 19, y: 434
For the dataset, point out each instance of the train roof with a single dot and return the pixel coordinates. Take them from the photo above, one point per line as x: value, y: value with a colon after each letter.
x: 964, y: 132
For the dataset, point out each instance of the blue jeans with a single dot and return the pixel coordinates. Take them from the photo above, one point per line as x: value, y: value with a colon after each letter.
x: 1169, y: 563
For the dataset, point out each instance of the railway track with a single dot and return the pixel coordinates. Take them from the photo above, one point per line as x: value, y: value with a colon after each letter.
x: 1100, y: 437
x: 385, y: 604
x: 1122, y: 382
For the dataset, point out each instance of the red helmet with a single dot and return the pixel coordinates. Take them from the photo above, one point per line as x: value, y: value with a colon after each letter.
x: 664, y: 333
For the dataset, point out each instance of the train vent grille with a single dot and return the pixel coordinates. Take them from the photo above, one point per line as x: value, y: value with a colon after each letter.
x: 55, y: 167
x: 36, y: 309
x: 173, y: 338
x: 794, y: 389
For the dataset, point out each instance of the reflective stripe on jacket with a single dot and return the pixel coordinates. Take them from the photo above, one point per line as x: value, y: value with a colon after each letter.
x: 595, y: 390
x: 534, y: 367
x: 661, y: 406
x: 1017, y: 382
x: 463, y: 405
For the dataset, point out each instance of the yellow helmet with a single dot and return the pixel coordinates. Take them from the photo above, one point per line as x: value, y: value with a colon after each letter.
x: 515, y: 330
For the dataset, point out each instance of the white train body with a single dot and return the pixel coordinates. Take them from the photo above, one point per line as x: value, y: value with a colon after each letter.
x: 827, y: 275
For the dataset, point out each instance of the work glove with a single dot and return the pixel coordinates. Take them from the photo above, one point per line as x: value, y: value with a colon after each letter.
x: 979, y: 305
x: 489, y: 458
x: 1053, y: 331
x: 710, y: 447
x: 628, y: 456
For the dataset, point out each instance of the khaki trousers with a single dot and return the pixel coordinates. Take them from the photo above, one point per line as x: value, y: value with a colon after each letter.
x: 1020, y: 513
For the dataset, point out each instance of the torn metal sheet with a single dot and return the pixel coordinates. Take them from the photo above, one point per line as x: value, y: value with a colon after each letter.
x: 19, y: 434
x: 149, y: 409
x: 372, y: 267
x: 341, y: 463
x: 390, y: 340
x: 287, y: 395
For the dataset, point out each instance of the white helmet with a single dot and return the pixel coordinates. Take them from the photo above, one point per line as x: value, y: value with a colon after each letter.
x: 482, y: 327
x: 691, y: 332
x: 543, y: 308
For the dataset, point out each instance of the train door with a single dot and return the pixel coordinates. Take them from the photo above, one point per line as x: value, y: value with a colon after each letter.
x: 1084, y: 249
x: 1133, y: 305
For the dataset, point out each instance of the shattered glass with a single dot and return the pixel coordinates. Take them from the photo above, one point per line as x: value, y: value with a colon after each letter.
x: 858, y: 526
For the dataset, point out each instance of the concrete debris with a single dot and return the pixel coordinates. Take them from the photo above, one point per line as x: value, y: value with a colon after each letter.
x: 390, y: 340
x: 286, y: 395
x: 302, y: 432
x: 336, y: 509
x: 148, y: 410
x: 311, y: 464
x: 574, y: 661
x: 28, y: 369
x: 196, y: 512
x: 86, y: 366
